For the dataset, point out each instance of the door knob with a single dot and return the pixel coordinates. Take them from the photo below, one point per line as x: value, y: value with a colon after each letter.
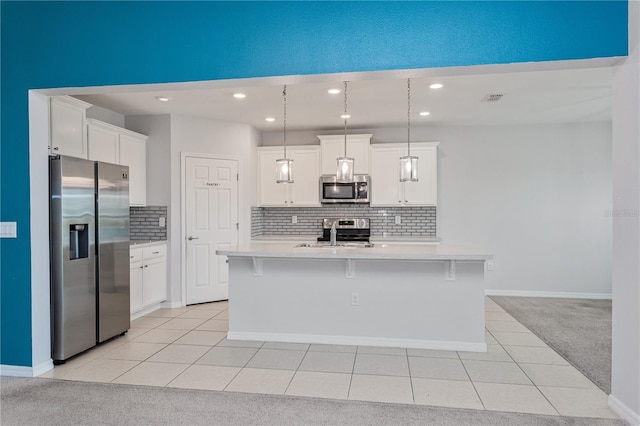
x: 192, y: 238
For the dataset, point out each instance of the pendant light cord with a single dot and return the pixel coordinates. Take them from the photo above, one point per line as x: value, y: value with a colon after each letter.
x: 409, y: 117
x: 345, y: 118
x: 284, y: 95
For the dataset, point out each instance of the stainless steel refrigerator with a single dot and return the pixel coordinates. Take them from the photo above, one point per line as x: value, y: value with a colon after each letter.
x: 89, y: 226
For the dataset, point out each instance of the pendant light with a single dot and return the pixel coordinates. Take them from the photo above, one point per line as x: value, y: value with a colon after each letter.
x: 408, y: 163
x: 284, y: 173
x: 345, y: 164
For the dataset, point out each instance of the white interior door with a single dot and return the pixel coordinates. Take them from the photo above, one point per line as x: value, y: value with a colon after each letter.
x: 211, y: 214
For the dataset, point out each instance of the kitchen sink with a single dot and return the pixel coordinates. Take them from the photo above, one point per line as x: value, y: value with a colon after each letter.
x: 338, y: 245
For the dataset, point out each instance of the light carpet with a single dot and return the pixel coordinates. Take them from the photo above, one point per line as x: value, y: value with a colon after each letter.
x: 577, y: 329
x: 61, y: 402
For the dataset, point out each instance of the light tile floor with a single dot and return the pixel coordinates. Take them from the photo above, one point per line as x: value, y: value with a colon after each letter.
x: 187, y: 348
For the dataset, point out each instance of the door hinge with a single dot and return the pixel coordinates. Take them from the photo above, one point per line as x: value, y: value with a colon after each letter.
x: 238, y: 177
x: 237, y: 226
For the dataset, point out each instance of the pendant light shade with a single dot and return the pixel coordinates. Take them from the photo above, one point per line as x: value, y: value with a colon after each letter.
x: 284, y: 166
x: 345, y: 164
x: 408, y: 163
x: 284, y: 173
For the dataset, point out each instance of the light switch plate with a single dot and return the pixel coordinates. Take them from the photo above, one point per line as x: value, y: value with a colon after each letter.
x: 8, y: 230
x: 294, y: 219
x: 162, y: 222
x: 398, y: 220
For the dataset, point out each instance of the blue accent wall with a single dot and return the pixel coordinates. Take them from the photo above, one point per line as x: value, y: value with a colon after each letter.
x: 70, y: 44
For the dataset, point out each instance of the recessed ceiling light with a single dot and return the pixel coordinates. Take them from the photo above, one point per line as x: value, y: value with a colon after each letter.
x: 334, y: 91
x: 163, y: 98
x: 425, y: 113
x: 239, y: 95
x: 269, y: 119
x: 343, y: 116
x: 436, y: 86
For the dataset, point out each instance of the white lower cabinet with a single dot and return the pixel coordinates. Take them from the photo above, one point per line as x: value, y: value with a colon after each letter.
x: 386, y: 188
x: 148, y: 275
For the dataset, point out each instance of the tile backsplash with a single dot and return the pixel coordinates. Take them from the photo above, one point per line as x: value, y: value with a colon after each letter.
x: 144, y: 223
x: 414, y: 221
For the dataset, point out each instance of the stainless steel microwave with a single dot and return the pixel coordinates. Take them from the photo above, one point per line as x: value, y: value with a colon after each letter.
x: 332, y: 191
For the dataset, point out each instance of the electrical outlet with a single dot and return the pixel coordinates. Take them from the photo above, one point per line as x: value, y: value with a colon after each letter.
x: 162, y: 222
x: 489, y: 265
x: 398, y: 220
x: 294, y: 219
x: 355, y: 299
x: 8, y: 230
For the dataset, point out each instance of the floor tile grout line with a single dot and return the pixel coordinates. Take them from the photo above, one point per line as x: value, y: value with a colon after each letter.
x: 296, y: 370
x: 413, y: 393
x: 243, y: 367
x: 471, y: 381
x: 525, y: 373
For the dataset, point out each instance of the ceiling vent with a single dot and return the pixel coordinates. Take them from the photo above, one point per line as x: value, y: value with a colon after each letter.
x: 492, y: 97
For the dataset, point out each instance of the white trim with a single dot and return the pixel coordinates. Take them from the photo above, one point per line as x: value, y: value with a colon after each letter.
x: 172, y: 305
x: 39, y: 141
x: 559, y: 294
x: 359, y: 340
x: 146, y: 311
x: 20, y: 371
x: 183, y: 214
x: 624, y: 411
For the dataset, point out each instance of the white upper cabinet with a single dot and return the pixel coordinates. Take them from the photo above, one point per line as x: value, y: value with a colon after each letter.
x: 113, y: 144
x: 104, y: 142
x: 386, y: 188
x: 332, y: 147
x: 67, y: 128
x: 304, y: 192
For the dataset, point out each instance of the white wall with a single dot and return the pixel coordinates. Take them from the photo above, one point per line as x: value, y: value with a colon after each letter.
x: 625, y: 372
x: 203, y: 136
x: 538, y: 196
x: 169, y: 137
x: 106, y: 115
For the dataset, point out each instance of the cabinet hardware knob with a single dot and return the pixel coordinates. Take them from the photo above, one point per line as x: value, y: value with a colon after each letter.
x: 55, y: 148
x: 146, y: 266
x: 141, y: 267
x: 155, y: 252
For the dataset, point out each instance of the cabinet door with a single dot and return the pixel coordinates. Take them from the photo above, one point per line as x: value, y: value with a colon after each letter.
x: 271, y: 193
x: 133, y: 154
x: 424, y: 191
x: 385, y: 175
x: 136, y: 286
x: 68, y: 129
x: 305, y: 191
x: 332, y: 147
x: 154, y: 281
x: 103, y: 144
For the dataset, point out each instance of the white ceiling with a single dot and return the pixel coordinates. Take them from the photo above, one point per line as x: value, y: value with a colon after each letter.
x: 380, y: 100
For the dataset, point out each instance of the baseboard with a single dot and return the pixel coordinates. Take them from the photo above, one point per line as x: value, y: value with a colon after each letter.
x: 172, y: 305
x: 145, y: 311
x: 359, y: 341
x: 558, y: 294
x: 623, y: 411
x: 20, y: 371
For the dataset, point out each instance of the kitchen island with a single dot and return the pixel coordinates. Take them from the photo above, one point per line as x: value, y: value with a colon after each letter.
x: 397, y: 295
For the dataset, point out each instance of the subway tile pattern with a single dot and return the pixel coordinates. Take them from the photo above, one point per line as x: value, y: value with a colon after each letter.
x: 414, y: 221
x: 143, y: 223
x: 257, y: 221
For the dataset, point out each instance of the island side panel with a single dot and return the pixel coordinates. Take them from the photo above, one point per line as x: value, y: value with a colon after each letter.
x: 401, y: 303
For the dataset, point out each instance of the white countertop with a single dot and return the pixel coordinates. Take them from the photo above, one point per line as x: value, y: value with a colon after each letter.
x: 374, y: 238
x: 389, y: 251
x: 146, y: 243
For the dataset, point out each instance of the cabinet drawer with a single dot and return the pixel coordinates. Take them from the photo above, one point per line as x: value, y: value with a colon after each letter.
x: 154, y: 252
x: 135, y: 255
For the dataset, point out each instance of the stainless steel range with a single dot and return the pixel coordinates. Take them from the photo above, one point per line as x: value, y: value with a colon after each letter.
x: 347, y: 230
